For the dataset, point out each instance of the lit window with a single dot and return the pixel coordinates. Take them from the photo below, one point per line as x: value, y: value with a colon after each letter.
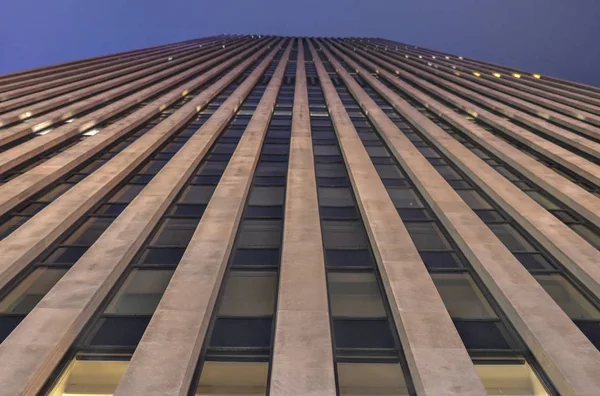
x: 537, y: 76
x: 371, y: 379
x: 498, y: 75
x: 170, y: 58
x: 70, y: 120
x: 88, y: 376
x: 511, y: 378
x: 45, y: 131
x: 91, y: 132
x: 476, y: 74
x: 233, y: 378
x: 516, y: 75
x: 460, y: 57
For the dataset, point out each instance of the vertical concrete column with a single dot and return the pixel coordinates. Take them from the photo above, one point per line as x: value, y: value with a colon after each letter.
x: 60, y: 316
x: 302, y: 355
x: 166, y: 358
x: 570, y: 160
x: 567, y: 356
x: 438, y: 361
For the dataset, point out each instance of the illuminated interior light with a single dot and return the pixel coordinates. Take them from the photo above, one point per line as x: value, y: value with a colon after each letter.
x: 41, y: 126
x: 497, y: 75
x: 406, y: 56
x: 420, y: 57
x: 25, y: 115
x: 457, y: 73
x: 460, y: 57
x: 170, y: 58
x: 429, y: 64
x: 42, y: 133
x: 91, y: 132
x: 223, y: 45
x: 454, y: 67
x: 516, y: 75
x: 476, y: 74
x: 70, y: 120
x: 432, y: 57
x: 447, y: 57
x: 537, y: 76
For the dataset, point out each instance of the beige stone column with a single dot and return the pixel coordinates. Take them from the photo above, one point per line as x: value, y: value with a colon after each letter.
x: 303, y: 353
x: 28, y: 241
x: 587, y: 204
x: 166, y: 358
x: 59, y: 317
x: 24, y: 186
x: 572, y: 161
x: 438, y: 361
x: 567, y: 356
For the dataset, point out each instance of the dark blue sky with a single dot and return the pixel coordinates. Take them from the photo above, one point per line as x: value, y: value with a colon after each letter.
x: 554, y: 37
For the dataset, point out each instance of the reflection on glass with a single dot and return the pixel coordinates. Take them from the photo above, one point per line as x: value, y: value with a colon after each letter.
x: 462, y: 297
x: 141, y: 292
x: 362, y: 379
x: 91, y: 376
x: 511, y: 379
x: 23, y: 298
x: 233, y: 378
x: 355, y: 294
x: 249, y: 293
x: 567, y: 297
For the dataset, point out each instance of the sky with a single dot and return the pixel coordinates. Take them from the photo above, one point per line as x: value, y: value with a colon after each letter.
x: 552, y: 37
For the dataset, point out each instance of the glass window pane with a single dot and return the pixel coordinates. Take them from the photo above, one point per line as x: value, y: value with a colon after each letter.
x: 426, y: 236
x: 511, y: 238
x: 197, y: 194
x: 356, y: 379
x: 542, y: 200
x: 462, y: 297
x: 389, y: 171
x: 256, y: 257
x: 141, y: 292
x: 363, y: 333
x: 330, y: 170
x: 249, y: 293
x: 355, y: 294
x: 89, y: 231
x: 175, y: 232
x: 349, y: 258
x: 260, y: 234
x: 252, y: 332
x: 326, y: 150
x: 24, y: 297
x: 170, y: 256
x: 266, y: 196
x: 126, y: 194
x: 377, y: 151
x: 586, y: 233
x: 447, y: 172
x: 233, y: 378
x: 474, y: 199
x: 343, y: 235
x: 404, y: 198
x: 90, y: 377
x: 567, y: 297
x: 510, y: 379
x: 335, y: 196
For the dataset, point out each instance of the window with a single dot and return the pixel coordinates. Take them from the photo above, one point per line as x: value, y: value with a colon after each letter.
x: 510, y: 237
x: 266, y: 196
x: 343, y: 235
x: 330, y: 170
x: 474, y: 199
x: 426, y: 236
x: 260, y: 234
x: 447, y: 172
x: 256, y: 257
x: 461, y: 296
x: 249, y: 293
x: 377, y: 151
x: 511, y: 378
x: 389, y: 171
x: 349, y: 258
x: 197, y: 194
x: 31, y: 290
x: 89, y: 231
x: 175, y: 232
x: 88, y: 376
x: 587, y: 234
x: 326, y: 150
x: 169, y: 256
x: 371, y: 379
x: 404, y: 198
x: 126, y: 194
x: 233, y: 378
x: 567, y: 297
x: 355, y: 294
x: 141, y: 292
x: 332, y: 196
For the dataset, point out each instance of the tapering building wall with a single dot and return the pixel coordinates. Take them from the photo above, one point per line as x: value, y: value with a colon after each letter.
x: 253, y: 215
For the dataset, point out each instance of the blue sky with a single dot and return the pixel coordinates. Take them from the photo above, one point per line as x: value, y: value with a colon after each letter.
x: 555, y: 37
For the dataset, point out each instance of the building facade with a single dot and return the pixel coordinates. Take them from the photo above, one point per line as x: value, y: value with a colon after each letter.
x: 253, y: 215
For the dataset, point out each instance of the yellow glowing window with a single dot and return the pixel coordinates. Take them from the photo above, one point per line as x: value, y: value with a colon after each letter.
x: 497, y: 75
x: 233, y: 378
x: 537, y: 76
x: 476, y: 74
x: 90, y: 377
x: 516, y: 75
x: 510, y: 378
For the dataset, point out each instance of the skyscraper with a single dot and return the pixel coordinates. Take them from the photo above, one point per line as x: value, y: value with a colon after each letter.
x: 252, y: 215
